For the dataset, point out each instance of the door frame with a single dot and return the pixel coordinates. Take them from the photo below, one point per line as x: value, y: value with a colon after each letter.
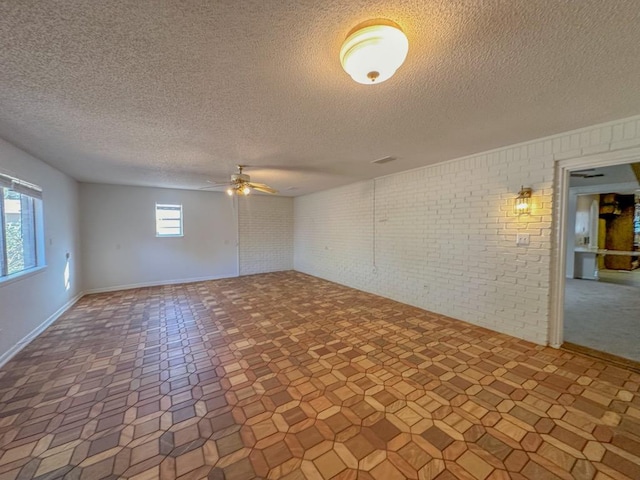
x: 563, y: 169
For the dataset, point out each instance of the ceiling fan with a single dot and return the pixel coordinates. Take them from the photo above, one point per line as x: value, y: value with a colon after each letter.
x: 585, y: 174
x: 241, y: 184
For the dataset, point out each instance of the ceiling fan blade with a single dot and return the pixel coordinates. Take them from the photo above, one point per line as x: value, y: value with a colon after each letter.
x: 286, y: 168
x: 261, y: 187
x: 215, y: 185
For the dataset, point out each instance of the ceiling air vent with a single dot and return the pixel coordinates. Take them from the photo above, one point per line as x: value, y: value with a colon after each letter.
x: 587, y: 173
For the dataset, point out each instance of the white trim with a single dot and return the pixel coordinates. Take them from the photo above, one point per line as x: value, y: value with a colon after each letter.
x: 15, y: 349
x: 606, y: 159
x: 159, y: 283
x: 556, y: 320
x: 16, y: 277
x: 564, y: 168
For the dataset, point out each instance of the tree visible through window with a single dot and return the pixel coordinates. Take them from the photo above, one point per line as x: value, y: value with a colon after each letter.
x: 20, y: 232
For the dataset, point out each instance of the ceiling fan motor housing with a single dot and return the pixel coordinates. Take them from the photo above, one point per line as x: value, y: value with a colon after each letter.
x: 240, y: 178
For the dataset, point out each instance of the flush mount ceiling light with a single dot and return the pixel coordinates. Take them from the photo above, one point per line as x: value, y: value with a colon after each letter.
x: 373, y: 51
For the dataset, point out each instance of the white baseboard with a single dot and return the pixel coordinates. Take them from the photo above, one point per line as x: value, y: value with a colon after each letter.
x: 9, y: 354
x: 156, y: 284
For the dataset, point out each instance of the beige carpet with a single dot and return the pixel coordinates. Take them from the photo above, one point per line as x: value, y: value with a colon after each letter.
x: 603, y: 316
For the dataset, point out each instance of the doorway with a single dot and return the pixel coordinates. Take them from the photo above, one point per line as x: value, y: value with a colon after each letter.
x: 596, y: 287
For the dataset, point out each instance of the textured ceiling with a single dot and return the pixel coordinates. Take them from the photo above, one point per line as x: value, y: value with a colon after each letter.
x: 170, y: 93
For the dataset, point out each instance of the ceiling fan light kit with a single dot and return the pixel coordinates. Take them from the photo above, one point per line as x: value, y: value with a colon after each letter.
x: 242, y: 185
x: 373, y: 51
x: 242, y: 190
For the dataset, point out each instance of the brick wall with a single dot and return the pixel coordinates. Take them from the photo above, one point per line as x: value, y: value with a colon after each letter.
x: 265, y: 227
x: 443, y: 237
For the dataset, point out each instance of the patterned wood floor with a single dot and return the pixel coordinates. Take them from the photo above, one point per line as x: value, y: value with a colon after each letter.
x: 287, y: 376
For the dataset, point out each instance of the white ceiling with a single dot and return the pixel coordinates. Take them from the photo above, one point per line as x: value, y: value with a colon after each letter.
x: 614, y: 175
x: 175, y: 92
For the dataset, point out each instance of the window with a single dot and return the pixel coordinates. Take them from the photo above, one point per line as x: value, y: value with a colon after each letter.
x: 168, y: 220
x: 21, y: 232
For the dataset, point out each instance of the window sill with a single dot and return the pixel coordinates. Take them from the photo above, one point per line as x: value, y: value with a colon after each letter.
x: 169, y: 236
x: 15, y: 277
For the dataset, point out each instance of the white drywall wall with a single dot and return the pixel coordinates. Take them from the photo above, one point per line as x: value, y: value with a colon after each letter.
x: 119, y: 244
x: 33, y: 301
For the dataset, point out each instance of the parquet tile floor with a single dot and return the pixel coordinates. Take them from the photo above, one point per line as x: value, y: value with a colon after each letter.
x: 284, y: 375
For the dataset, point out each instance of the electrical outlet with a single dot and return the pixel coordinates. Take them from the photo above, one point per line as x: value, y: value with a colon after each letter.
x: 522, y: 239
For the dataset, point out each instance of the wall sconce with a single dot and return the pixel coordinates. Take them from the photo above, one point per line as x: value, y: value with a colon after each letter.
x: 523, y: 201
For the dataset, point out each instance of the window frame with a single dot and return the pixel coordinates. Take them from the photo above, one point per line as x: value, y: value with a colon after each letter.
x: 174, y: 206
x: 34, y: 195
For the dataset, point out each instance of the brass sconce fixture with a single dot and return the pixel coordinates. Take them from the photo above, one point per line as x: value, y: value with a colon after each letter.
x: 523, y: 201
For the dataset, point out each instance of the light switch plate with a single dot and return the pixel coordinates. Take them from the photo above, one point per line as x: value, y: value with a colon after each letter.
x: 522, y: 239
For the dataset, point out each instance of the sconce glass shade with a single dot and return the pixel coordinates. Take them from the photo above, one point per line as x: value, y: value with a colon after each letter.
x: 523, y: 202
x: 373, y: 51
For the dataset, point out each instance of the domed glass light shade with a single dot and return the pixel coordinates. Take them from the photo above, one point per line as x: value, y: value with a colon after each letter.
x: 242, y: 190
x: 373, y: 51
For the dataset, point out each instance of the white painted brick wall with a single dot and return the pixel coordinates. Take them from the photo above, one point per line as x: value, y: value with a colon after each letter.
x: 265, y: 230
x: 443, y: 237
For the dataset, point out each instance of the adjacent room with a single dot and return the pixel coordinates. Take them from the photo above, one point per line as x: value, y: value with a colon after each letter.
x: 602, y: 297
x: 319, y: 240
